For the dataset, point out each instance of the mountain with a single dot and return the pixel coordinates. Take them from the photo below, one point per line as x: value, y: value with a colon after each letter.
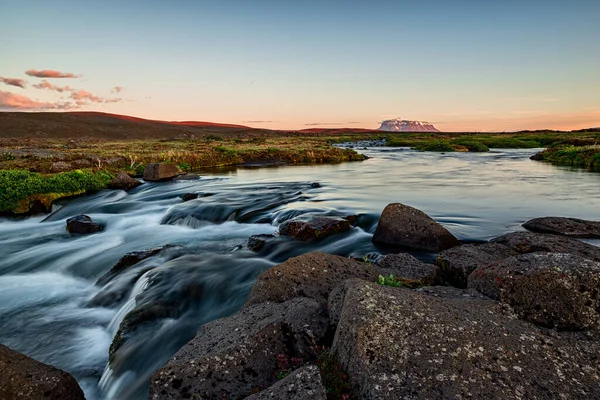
x: 401, y: 125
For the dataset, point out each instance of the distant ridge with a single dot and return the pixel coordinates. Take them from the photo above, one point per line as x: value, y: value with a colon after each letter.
x: 401, y: 125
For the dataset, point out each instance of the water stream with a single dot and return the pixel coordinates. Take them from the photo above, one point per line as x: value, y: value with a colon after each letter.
x: 48, y: 292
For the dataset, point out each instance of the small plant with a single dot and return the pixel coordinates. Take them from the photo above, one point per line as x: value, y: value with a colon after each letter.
x: 389, y: 281
x: 337, y: 385
x: 6, y: 156
x: 285, y: 365
x: 210, y: 138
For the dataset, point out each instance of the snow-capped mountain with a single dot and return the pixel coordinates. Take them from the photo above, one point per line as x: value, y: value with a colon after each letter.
x: 401, y: 125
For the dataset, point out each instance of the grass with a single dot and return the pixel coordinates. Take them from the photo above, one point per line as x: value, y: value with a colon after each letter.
x: 578, y: 156
x: 17, y: 188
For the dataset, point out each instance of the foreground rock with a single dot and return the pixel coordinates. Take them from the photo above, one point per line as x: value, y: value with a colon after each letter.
x: 458, y: 263
x: 83, y: 225
x: 528, y: 242
x: 411, y: 271
x: 257, y: 242
x: 572, y: 227
x: 441, y: 343
x: 23, y: 378
x: 551, y: 289
x: 405, y: 226
x: 160, y: 172
x: 236, y: 356
x: 303, y: 384
x: 312, y: 275
x: 122, y: 181
x: 311, y: 228
x: 189, y: 196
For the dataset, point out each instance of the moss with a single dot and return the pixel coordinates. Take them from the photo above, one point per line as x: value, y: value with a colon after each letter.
x: 578, y: 156
x: 440, y: 145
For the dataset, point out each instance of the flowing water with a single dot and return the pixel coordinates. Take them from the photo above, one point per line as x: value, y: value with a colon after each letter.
x: 52, y: 309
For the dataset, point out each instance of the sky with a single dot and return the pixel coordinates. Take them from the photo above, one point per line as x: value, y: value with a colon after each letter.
x: 469, y: 65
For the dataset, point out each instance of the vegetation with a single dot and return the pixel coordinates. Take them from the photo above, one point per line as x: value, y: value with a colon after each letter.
x: 390, y: 281
x: 438, y: 145
x: 578, y: 156
x: 334, y: 378
x: 18, y: 186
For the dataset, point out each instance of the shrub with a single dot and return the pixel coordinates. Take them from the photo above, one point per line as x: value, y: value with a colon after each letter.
x: 472, y: 145
x: 389, y: 281
x: 439, y: 145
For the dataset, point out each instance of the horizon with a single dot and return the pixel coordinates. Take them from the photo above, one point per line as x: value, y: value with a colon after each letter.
x: 468, y: 66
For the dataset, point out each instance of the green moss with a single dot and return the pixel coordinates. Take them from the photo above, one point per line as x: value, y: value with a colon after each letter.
x: 438, y: 145
x: 578, y: 156
x: 471, y: 145
x: 17, y: 188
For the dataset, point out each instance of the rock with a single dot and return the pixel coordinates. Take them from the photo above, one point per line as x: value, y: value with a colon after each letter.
x: 83, y: 224
x: 311, y: 275
x: 189, y: 196
x: 122, y: 181
x: 312, y: 228
x: 257, y: 242
x: 550, y: 289
x: 458, y: 262
x: 160, y: 172
x: 528, y: 242
x: 187, y: 177
x: 82, y: 163
x: 572, y: 227
x: 302, y: 384
x: 411, y: 271
x: 234, y: 357
x: 315, y: 185
x: 61, y: 166
x: 405, y: 226
x: 442, y: 343
x: 23, y: 378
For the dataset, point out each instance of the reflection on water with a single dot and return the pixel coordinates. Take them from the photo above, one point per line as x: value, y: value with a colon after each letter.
x: 47, y: 277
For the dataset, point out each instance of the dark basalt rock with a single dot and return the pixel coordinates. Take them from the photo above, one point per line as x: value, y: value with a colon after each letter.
x: 23, y: 378
x: 160, y: 172
x: 408, y: 269
x: 571, y: 227
x: 257, y: 242
x: 312, y: 228
x: 550, y: 289
x: 233, y: 357
x: 305, y: 383
x: 458, y: 262
x: 83, y: 225
x: 441, y: 343
x: 123, y: 182
x: 189, y: 196
x: 187, y: 177
x: 404, y: 226
x: 528, y: 242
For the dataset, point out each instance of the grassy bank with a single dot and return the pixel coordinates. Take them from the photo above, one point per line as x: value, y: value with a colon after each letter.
x: 578, y: 156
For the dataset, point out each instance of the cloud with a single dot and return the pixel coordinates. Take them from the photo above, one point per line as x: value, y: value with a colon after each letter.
x: 47, y: 85
x: 117, y: 89
x: 13, y: 82
x: 257, y: 122
x: 14, y: 101
x: 333, y: 123
x: 49, y: 73
x: 83, y: 97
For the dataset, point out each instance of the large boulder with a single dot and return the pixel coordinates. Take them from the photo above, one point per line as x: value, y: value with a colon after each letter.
x: 160, y: 172
x: 302, y: 384
x: 572, y: 227
x: 83, y: 225
x: 458, y: 262
x: 409, y: 270
x: 311, y: 228
x: 442, y: 343
x: 122, y: 181
x: 237, y: 356
x: 404, y: 226
x: 551, y: 289
x: 23, y: 378
x: 311, y: 275
x: 528, y: 242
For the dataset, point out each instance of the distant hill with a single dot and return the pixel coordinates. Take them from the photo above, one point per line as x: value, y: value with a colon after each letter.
x: 401, y: 125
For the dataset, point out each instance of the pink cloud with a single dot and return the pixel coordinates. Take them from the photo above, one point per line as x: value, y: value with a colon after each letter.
x: 20, y: 102
x: 49, y: 73
x: 117, y: 89
x: 13, y: 82
x: 47, y: 85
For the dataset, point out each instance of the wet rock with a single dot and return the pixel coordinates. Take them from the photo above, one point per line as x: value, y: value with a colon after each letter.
x: 236, y: 356
x: 405, y: 226
x: 187, y: 177
x: 312, y: 228
x: 122, y: 181
x: 458, y: 262
x: 315, y: 185
x: 83, y: 224
x: 129, y: 260
x: 189, y: 196
x: 528, y: 242
x: 302, y: 384
x: 311, y: 275
x: 412, y: 272
x: 23, y: 378
x: 571, y: 227
x: 160, y: 172
x: 257, y: 242
x: 550, y: 289
x: 442, y: 343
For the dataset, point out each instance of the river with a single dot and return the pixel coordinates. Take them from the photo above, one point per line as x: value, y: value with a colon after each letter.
x: 47, y: 276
